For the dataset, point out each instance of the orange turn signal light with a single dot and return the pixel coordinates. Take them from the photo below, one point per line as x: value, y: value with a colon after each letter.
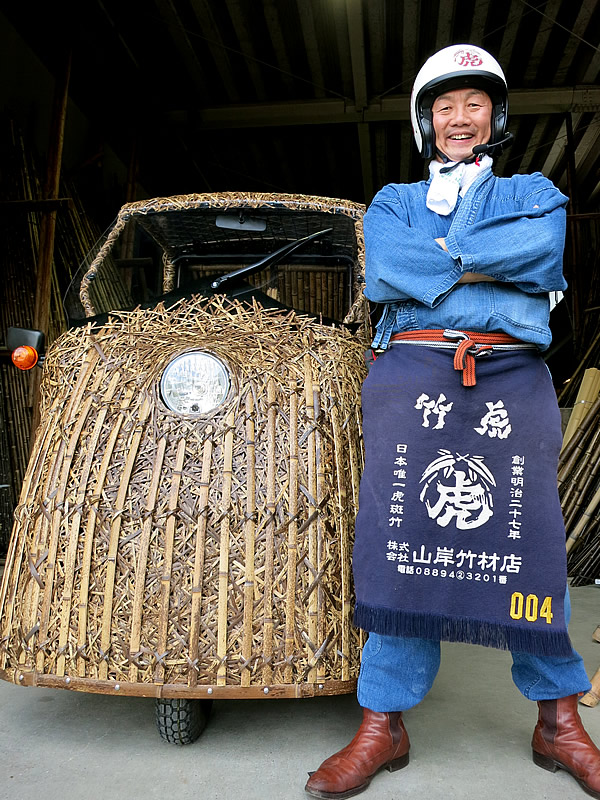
x: 25, y: 357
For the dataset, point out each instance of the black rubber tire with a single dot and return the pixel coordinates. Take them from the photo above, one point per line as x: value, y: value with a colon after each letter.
x: 181, y: 721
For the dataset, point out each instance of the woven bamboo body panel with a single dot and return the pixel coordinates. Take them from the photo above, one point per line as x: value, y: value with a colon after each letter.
x: 162, y: 554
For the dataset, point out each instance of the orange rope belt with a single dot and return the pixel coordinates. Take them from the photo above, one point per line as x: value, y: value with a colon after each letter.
x: 469, y: 345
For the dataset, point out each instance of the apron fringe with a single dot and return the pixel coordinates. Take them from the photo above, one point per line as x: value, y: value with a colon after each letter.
x: 438, y: 627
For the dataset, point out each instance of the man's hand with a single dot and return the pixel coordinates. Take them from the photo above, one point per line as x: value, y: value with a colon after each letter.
x: 474, y: 277
x: 467, y: 277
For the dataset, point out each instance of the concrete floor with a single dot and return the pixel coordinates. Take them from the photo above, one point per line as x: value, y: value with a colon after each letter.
x: 470, y: 739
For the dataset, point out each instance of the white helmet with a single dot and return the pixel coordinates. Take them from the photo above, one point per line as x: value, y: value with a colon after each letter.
x: 454, y: 67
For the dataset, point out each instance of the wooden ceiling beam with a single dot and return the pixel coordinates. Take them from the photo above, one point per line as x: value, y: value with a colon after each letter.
x: 214, y: 42
x: 410, y: 40
x: 552, y: 166
x: 311, y: 45
x: 510, y: 32
x: 586, y: 154
x: 585, y: 13
x: 273, y: 22
x: 595, y: 194
x: 237, y: 14
x: 376, y: 34
x: 593, y: 70
x: 541, y: 41
x: 356, y: 38
x: 390, y: 108
x: 508, y: 156
x: 445, y: 23
x: 478, y: 23
x: 366, y: 159
x: 534, y: 142
x: 179, y: 35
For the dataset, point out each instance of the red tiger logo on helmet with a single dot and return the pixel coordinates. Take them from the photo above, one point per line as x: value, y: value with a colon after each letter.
x: 468, y: 58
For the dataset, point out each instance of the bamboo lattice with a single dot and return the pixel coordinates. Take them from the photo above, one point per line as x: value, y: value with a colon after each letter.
x: 162, y: 555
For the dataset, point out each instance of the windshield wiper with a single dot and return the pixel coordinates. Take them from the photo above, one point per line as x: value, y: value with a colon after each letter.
x: 269, y: 260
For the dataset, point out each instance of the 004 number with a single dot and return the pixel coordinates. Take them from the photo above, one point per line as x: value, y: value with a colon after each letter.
x: 530, y: 608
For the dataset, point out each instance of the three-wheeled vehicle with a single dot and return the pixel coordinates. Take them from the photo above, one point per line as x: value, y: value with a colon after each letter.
x: 185, y: 525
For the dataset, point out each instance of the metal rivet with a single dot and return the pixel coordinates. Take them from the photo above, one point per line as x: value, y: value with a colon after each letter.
x: 67, y: 681
x: 265, y: 690
x: 21, y: 677
x: 210, y: 691
x: 117, y: 687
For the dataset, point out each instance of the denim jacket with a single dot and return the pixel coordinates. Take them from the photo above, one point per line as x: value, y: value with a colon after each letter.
x: 512, y: 229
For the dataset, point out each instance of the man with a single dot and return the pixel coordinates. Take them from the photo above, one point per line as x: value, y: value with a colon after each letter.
x: 459, y: 535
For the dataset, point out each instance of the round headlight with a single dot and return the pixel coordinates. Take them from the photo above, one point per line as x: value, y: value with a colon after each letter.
x: 194, y: 383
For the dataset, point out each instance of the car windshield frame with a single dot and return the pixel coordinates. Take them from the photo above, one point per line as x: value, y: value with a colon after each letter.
x: 186, y: 230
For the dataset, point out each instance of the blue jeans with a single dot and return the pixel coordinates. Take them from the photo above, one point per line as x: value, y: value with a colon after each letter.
x: 397, y: 672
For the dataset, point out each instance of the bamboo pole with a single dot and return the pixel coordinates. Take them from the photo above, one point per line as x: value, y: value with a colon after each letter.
x: 576, y: 444
x: 587, y: 394
x: 584, y: 565
x: 56, y: 495
x: 581, y: 478
x: 268, y: 622
x: 313, y: 613
x: 167, y: 567
x: 88, y: 541
x: 292, y: 542
x: 142, y: 562
x: 583, y: 521
x: 224, y: 552
x: 582, y: 363
x: 250, y: 534
x: 321, y: 497
x: 115, y: 530
x: 46, y: 251
x: 199, y: 557
x: 72, y: 533
x: 342, y: 500
x: 16, y: 554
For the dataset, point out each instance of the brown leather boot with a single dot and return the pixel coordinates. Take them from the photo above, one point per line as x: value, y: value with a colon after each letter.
x: 560, y: 742
x: 381, y: 741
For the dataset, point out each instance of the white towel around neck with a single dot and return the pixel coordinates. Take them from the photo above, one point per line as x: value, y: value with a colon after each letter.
x: 446, y: 186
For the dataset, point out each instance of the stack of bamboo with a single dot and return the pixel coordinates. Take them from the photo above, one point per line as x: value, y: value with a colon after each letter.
x: 579, y: 482
x: 584, y: 302
x: 19, y: 247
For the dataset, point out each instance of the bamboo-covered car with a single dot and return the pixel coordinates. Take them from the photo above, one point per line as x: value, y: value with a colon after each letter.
x: 185, y: 524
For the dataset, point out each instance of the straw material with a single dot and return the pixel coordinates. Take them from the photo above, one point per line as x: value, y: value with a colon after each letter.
x: 165, y: 555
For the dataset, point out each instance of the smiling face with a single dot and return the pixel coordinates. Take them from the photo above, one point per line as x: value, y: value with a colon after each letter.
x: 461, y: 120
